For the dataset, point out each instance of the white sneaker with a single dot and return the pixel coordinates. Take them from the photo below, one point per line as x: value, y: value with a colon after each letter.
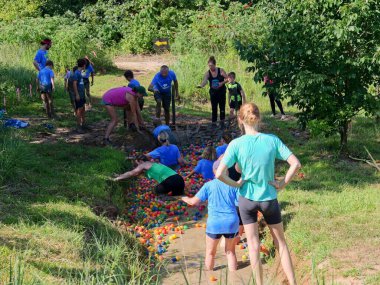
x: 272, y: 116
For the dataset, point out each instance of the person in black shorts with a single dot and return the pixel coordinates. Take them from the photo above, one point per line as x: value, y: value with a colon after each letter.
x: 255, y: 154
x: 217, y: 78
x: 236, y: 95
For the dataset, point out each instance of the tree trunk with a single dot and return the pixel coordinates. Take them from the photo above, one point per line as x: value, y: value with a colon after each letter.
x: 343, y: 131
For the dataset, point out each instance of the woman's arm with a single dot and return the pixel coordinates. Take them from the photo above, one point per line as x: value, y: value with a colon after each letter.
x: 189, y: 175
x: 204, y: 81
x: 191, y: 201
x: 224, y: 74
x: 295, y: 165
x: 137, y: 171
x: 221, y: 174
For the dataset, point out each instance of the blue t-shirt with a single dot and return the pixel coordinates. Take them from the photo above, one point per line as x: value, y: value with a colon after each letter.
x: 204, y: 167
x: 222, y: 215
x: 220, y: 150
x: 77, y: 76
x: 45, y: 75
x: 133, y: 83
x: 87, y: 72
x: 41, y: 58
x: 255, y: 155
x: 164, y: 84
x: 168, y: 154
x: 160, y: 129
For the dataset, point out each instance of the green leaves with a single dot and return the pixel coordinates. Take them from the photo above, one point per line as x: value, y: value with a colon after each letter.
x: 326, y: 54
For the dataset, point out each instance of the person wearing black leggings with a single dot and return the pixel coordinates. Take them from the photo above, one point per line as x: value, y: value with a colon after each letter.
x: 217, y: 78
x: 273, y: 97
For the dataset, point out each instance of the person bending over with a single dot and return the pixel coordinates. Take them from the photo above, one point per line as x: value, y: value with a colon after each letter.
x: 168, y: 180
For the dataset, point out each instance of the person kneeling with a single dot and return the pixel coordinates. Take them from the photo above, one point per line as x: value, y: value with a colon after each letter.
x: 221, y: 207
x: 168, y: 180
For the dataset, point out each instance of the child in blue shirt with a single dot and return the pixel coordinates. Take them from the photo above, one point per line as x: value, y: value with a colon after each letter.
x: 128, y: 74
x: 86, y: 73
x: 204, y: 166
x: 45, y: 80
x: 222, y: 219
x: 167, y: 153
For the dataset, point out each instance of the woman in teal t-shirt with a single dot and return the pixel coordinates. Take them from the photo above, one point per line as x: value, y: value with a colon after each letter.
x: 168, y: 180
x: 255, y: 154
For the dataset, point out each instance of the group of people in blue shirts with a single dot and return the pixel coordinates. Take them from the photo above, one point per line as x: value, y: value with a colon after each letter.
x: 77, y: 82
x: 240, y: 173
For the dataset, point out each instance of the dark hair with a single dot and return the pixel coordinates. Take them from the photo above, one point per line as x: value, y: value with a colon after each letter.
x: 49, y: 63
x: 81, y: 62
x: 232, y: 74
x: 227, y: 138
x: 128, y: 74
x: 212, y: 60
x: 46, y: 41
x: 75, y: 68
x: 164, y: 67
x: 141, y: 157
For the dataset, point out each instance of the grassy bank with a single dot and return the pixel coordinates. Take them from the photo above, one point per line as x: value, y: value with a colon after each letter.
x: 48, y: 230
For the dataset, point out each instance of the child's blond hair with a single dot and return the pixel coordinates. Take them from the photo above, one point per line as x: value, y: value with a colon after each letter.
x: 209, y: 153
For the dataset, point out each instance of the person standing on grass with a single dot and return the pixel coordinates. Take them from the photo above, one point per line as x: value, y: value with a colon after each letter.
x: 167, y: 153
x: 217, y: 78
x: 273, y: 97
x: 77, y: 93
x: 255, y: 154
x: 87, y: 72
x: 45, y: 84
x: 222, y: 219
x: 123, y: 97
x: 168, y: 180
x: 128, y: 74
x: 161, y: 85
x: 236, y: 95
x: 41, y: 56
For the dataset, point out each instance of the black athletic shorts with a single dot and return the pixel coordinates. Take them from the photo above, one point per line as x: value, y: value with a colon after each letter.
x: 235, y: 105
x: 174, y: 184
x: 270, y: 209
x: 218, y: 236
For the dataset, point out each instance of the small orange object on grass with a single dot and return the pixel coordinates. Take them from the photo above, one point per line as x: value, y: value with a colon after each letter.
x: 213, y: 279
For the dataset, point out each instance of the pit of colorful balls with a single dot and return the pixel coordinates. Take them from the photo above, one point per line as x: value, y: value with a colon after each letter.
x: 157, y: 221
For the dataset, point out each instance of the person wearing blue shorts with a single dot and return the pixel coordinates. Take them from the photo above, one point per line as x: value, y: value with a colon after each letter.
x: 46, y: 86
x: 222, y: 219
x: 161, y: 85
x: 255, y: 153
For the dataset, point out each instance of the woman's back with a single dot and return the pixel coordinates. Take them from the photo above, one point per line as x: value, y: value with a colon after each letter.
x: 255, y: 155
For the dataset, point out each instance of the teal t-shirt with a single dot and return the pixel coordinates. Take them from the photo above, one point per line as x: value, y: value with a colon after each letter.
x: 255, y: 155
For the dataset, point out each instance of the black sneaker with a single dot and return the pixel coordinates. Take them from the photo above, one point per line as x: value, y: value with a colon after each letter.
x: 133, y: 127
x: 107, y: 142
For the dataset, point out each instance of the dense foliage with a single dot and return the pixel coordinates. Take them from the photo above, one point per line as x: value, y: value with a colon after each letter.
x: 322, y: 55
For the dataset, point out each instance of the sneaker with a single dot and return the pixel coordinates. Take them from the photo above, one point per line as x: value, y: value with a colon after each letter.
x: 86, y: 127
x: 273, y: 115
x: 107, y: 142
x: 133, y: 127
x: 80, y: 130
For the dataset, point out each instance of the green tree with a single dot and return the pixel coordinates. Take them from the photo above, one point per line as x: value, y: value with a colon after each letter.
x: 323, y: 56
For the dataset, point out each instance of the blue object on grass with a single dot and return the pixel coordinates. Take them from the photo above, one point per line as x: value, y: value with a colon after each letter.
x: 48, y: 126
x: 2, y: 112
x: 17, y: 124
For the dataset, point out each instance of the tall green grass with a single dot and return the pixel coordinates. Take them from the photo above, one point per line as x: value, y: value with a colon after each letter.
x: 190, y: 69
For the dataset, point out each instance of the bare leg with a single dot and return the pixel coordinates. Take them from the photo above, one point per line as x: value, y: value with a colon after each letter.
x: 230, y: 253
x: 49, y: 104
x: 112, y: 113
x: 252, y: 234
x: 277, y: 232
x: 211, y: 246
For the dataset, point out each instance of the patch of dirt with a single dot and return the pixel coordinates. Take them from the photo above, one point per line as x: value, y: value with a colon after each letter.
x: 142, y: 64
